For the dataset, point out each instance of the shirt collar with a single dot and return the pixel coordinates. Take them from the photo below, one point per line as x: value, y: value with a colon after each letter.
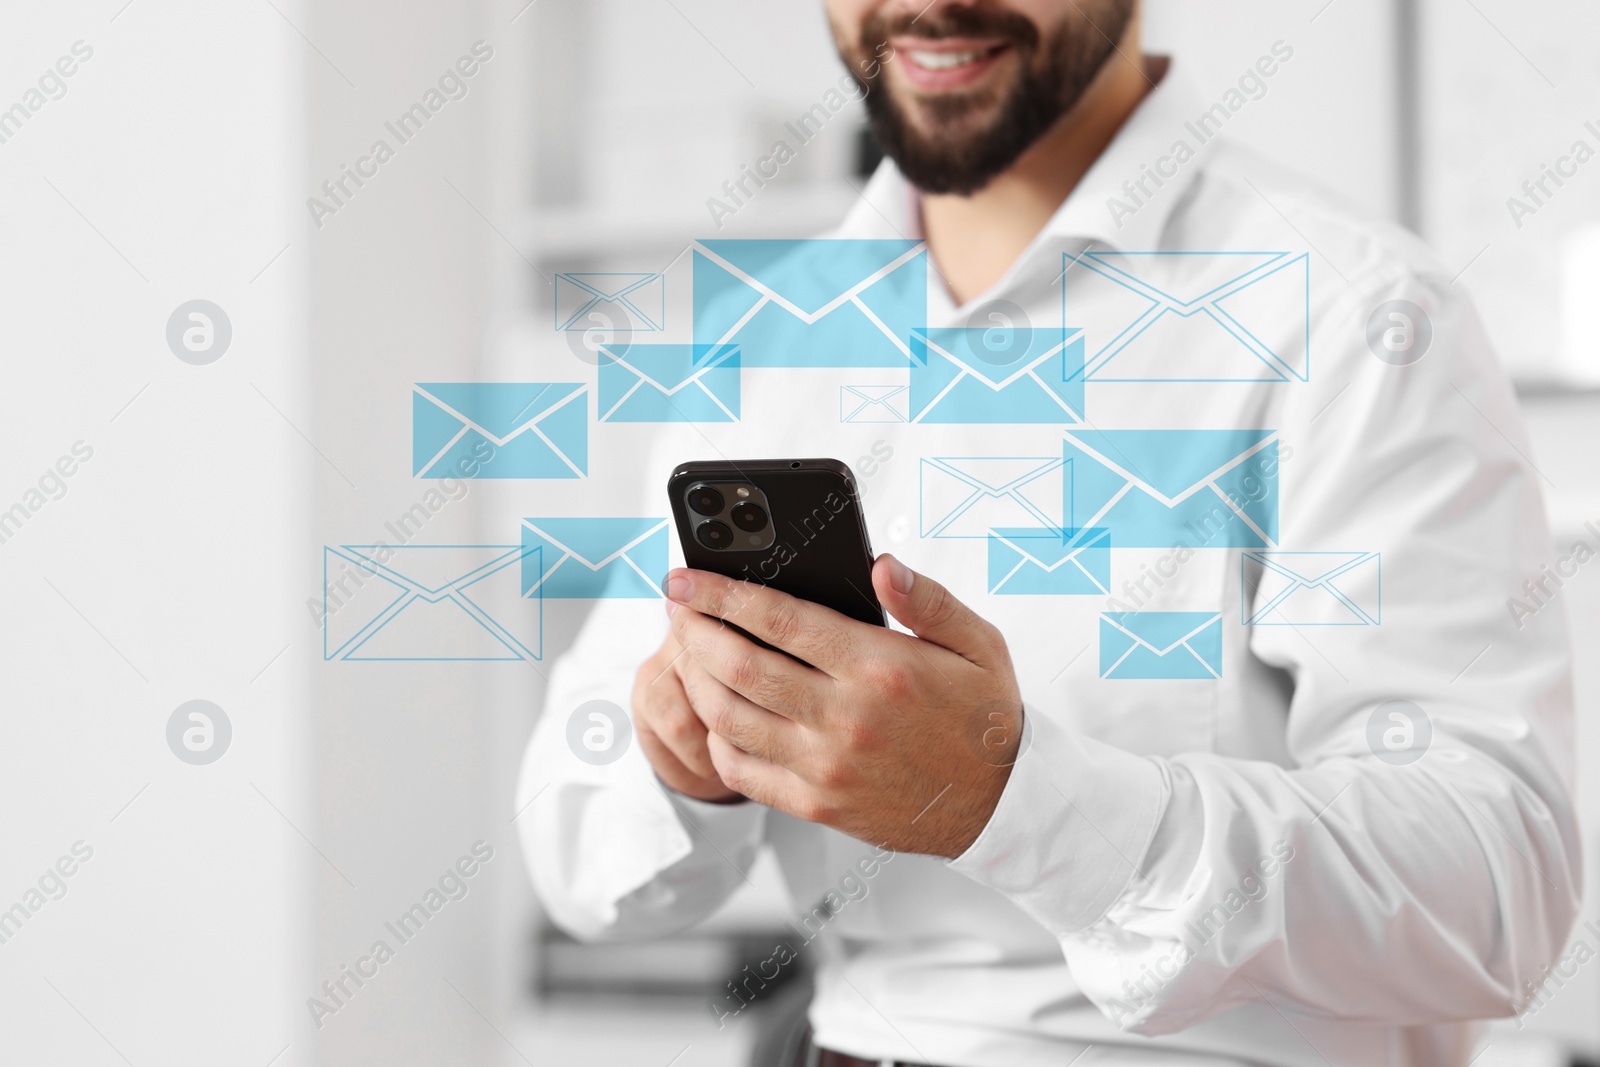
x: 1117, y: 203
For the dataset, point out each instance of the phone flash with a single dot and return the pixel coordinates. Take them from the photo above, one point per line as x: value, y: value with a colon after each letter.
x: 741, y: 492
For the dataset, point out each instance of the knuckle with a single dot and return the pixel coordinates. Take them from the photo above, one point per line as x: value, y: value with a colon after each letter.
x: 676, y: 724
x: 783, y: 624
x: 741, y: 671
x: 722, y: 717
x: 862, y: 735
x: 942, y: 605
x: 818, y: 809
x: 887, y: 678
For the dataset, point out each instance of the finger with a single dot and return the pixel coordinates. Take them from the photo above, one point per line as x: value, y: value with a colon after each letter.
x: 765, y: 783
x: 665, y: 709
x: 766, y: 678
x: 678, y: 777
x: 932, y: 612
x: 730, y: 716
x: 810, y: 632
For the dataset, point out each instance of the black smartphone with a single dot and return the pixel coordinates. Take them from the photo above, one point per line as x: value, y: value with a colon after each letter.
x: 792, y: 524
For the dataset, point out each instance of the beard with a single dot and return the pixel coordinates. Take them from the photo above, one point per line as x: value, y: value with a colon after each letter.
x: 959, y: 142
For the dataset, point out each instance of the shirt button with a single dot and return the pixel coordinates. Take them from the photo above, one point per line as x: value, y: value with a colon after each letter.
x: 899, y: 529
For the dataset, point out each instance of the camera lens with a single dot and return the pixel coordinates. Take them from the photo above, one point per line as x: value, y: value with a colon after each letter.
x: 714, y: 535
x: 749, y: 516
x: 705, y: 500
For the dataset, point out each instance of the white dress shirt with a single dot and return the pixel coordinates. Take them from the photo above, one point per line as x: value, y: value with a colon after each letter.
x: 1179, y: 871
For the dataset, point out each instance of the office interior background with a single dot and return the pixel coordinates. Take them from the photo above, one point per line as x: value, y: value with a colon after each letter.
x: 177, y: 562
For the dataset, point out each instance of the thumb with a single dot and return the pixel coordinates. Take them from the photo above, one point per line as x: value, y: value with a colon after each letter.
x: 932, y: 612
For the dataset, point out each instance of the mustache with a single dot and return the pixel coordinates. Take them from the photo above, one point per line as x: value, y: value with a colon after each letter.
x: 954, y: 22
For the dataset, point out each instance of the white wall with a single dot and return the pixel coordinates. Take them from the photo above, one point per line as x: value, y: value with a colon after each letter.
x: 162, y: 175
x: 401, y: 287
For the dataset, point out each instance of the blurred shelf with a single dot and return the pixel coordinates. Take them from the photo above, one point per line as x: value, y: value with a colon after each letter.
x: 564, y: 234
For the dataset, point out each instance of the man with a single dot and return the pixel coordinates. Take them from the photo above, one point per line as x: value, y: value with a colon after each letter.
x: 1227, y: 808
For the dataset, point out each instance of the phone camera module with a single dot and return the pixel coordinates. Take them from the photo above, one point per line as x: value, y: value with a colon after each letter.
x: 705, y: 500
x: 714, y: 535
x: 749, y: 516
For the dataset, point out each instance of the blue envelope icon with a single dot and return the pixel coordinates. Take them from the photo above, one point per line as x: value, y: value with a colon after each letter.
x: 501, y: 429
x: 429, y: 602
x: 1012, y: 374
x: 614, y: 301
x: 1191, y: 316
x: 1159, y: 488
x: 1312, y: 589
x: 873, y: 403
x: 818, y: 302
x: 1035, y: 562
x: 595, y: 558
x: 1161, y: 644
x: 970, y: 496
x: 669, y: 383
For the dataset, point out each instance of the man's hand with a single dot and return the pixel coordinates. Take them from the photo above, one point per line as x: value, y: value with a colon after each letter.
x: 901, y: 741
x: 672, y: 737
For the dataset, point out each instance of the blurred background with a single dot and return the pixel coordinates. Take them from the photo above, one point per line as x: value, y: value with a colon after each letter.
x: 210, y: 903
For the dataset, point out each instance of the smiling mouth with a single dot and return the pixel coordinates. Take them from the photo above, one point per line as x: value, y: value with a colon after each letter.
x: 951, y: 60
x: 946, y: 64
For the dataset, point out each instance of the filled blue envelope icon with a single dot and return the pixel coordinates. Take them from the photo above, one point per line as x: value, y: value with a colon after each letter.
x: 595, y: 558
x: 1012, y: 374
x: 1159, y: 645
x: 619, y: 301
x: 1311, y: 589
x: 1035, y: 562
x: 669, y: 383
x: 1191, y: 316
x: 429, y: 602
x: 500, y: 430
x: 820, y: 302
x: 1160, y: 488
x: 969, y: 496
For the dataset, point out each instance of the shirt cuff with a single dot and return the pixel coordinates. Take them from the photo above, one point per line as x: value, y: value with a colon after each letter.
x: 726, y: 828
x: 1071, y: 829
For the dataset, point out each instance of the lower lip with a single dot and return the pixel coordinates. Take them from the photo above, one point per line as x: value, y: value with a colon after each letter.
x: 954, y: 78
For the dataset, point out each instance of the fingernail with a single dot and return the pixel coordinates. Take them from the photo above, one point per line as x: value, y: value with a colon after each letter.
x: 670, y: 606
x: 900, y: 576
x: 679, y: 588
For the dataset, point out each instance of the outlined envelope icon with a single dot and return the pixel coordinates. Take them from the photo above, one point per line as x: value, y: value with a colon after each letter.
x: 1161, y: 644
x: 669, y: 383
x: 1159, y: 488
x: 1311, y: 589
x: 1191, y: 316
x: 429, y: 602
x: 595, y: 558
x: 818, y: 302
x: 1035, y: 562
x: 874, y: 403
x: 526, y: 429
x: 615, y: 301
x: 969, y: 496
x: 1014, y: 374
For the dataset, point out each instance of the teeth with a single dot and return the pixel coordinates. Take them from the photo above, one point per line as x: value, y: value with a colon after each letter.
x: 945, y: 60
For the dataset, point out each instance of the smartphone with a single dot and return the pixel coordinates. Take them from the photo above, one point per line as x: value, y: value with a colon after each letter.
x: 792, y: 524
